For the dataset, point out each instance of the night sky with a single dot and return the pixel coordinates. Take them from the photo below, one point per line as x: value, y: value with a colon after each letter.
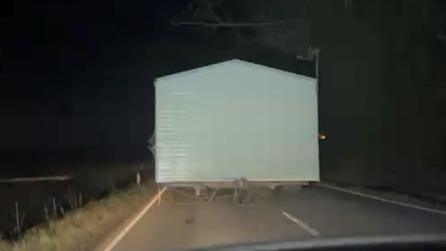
x: 77, y: 77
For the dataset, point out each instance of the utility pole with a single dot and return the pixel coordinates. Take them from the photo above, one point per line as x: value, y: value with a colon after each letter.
x: 312, y: 56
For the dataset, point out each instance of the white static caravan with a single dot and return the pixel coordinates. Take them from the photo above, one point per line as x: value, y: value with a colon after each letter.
x: 235, y: 120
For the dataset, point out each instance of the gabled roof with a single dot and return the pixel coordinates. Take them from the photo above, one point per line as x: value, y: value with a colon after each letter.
x: 236, y: 63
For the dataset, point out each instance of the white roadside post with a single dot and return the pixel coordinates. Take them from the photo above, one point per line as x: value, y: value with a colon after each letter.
x: 159, y: 197
x: 138, y: 178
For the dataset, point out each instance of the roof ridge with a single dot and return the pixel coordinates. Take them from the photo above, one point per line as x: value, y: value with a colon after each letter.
x: 237, y: 60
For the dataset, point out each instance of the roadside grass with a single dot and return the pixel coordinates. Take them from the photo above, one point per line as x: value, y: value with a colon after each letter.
x: 84, y: 228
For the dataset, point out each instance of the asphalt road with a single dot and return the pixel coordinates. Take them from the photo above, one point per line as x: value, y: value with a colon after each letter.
x: 297, y: 214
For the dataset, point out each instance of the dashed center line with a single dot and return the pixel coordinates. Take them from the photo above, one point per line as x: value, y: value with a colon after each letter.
x: 313, y: 232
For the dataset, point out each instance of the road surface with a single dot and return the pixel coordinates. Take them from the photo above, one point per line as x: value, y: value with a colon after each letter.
x: 299, y: 214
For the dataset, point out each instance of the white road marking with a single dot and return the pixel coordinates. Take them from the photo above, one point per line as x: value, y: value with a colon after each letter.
x: 302, y: 224
x: 404, y: 204
x: 127, y: 228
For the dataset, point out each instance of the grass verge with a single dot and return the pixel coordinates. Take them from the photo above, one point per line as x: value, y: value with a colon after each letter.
x: 85, y: 227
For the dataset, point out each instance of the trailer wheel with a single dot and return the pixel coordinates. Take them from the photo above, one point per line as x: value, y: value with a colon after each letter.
x: 277, y: 188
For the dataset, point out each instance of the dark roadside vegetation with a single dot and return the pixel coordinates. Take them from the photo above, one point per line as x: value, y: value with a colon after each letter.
x: 27, y: 204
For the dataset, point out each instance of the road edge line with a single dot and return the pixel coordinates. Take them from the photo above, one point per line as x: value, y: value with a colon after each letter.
x: 313, y: 232
x: 374, y: 197
x: 127, y: 228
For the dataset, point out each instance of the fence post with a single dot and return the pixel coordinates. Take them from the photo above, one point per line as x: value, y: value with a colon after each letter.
x: 17, y: 218
x: 54, y: 207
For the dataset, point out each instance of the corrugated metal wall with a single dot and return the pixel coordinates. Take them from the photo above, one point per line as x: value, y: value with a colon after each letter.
x: 236, y: 119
